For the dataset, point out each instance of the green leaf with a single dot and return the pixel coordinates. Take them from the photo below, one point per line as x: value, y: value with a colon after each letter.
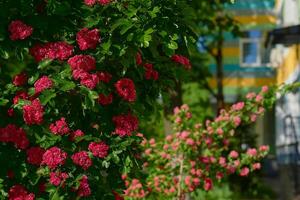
x: 44, y: 63
x: 3, y: 102
x: 46, y: 96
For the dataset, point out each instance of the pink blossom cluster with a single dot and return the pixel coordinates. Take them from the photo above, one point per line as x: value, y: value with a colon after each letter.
x: 58, y: 178
x: 19, y: 30
x: 16, y: 135
x: 42, y: 84
x: 18, y: 192
x: 60, y: 127
x: 125, y: 124
x: 93, y: 2
x: 33, y: 113
x: 88, y: 39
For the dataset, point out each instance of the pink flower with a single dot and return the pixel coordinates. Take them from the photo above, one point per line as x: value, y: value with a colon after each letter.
x: 105, y: 100
x: 60, y: 127
x: 90, y: 81
x: 219, y: 175
x: 264, y: 148
x: 252, y: 152
x: 88, y: 39
x: 126, y: 89
x: 187, y: 180
x: 222, y: 161
x: 18, y: 192
x: 220, y: 131
x: 258, y: 98
x: 54, y: 157
x: 238, y: 106
x: 265, y: 89
x: 125, y: 124
x: 256, y: 166
x: 57, y: 178
x: 233, y: 154
x: 181, y: 60
x: 237, y: 121
x: 42, y: 84
x: 250, y: 95
x: 90, y: 2
x: 82, y: 159
x: 83, y: 62
x: 33, y: 113
x: 244, y: 171
x: 20, y: 79
x: 104, y: 76
x: 35, y: 155
x: 19, y: 31
x: 253, y: 118
x: 99, y: 149
x: 208, y: 184
x: 84, y: 188
x: 190, y: 142
x: 76, y: 134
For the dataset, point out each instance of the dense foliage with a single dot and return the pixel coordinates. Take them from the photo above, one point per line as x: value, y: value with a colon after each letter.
x: 76, y: 77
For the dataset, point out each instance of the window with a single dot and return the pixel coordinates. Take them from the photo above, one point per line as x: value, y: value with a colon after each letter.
x: 250, y: 49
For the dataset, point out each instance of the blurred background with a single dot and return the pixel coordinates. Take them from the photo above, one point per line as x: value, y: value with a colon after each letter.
x: 244, y: 45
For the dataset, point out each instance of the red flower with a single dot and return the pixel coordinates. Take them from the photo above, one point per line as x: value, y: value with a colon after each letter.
x: 182, y: 60
x: 105, y: 100
x: 79, y: 74
x: 84, y: 189
x: 84, y: 62
x: 82, y: 159
x: 35, y: 155
x: 76, y: 134
x: 54, y: 157
x: 20, y: 95
x: 60, y: 127
x: 19, y: 31
x: 89, y: 2
x: 14, y: 134
x: 125, y: 124
x: 90, y: 81
x: 18, y: 192
x: 42, y: 84
x: 99, y: 149
x: 138, y: 58
x: 117, y: 196
x: 208, y: 184
x: 33, y: 113
x: 104, y: 76
x: 20, y: 79
x: 150, y: 73
x: 56, y: 178
x: 52, y: 50
x: 88, y: 39
x: 104, y: 2
x: 126, y: 89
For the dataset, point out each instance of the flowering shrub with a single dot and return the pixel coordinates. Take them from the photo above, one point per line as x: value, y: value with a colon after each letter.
x: 196, y: 156
x: 76, y: 77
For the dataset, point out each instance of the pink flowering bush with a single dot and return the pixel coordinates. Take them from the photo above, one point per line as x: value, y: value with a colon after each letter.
x: 197, y: 156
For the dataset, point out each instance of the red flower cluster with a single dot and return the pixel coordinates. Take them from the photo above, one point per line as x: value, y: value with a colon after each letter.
x: 14, y: 134
x: 93, y: 2
x: 18, y: 192
x: 150, y: 73
x: 82, y: 159
x: 105, y: 100
x: 19, y: 31
x: 125, y: 124
x: 20, y: 95
x: 76, y: 134
x: 138, y: 58
x: 126, y: 89
x: 84, y: 189
x: 52, y: 50
x: 20, y: 79
x: 182, y: 60
x: 54, y: 157
x: 33, y: 113
x: 42, y: 84
x: 35, y: 155
x: 99, y: 149
x: 83, y: 62
x: 57, y: 178
x: 104, y: 76
x: 88, y: 39
x: 60, y: 127
x: 89, y: 80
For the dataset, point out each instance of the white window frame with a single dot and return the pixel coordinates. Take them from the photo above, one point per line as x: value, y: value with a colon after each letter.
x: 258, y: 59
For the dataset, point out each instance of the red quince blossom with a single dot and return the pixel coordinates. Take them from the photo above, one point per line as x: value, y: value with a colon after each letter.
x: 20, y: 79
x: 99, y: 149
x: 19, y: 30
x: 150, y: 73
x: 126, y: 89
x: 105, y: 100
x: 14, y: 134
x: 33, y: 113
x: 52, y: 50
x: 54, y: 157
x: 182, y: 60
x: 35, y: 155
x: 76, y: 134
x: 18, y: 192
x: 104, y: 76
x: 20, y: 95
x: 57, y: 178
x: 82, y: 159
x: 125, y: 124
x: 83, y: 62
x: 60, y: 127
x: 90, y: 2
x: 104, y: 2
x: 84, y: 189
x: 42, y: 84
x: 88, y: 39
